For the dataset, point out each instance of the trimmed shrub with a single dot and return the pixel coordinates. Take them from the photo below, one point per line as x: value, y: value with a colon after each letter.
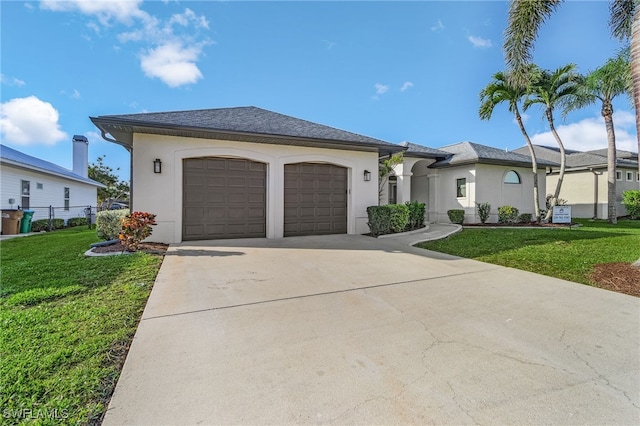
x: 525, y: 218
x: 484, y: 209
x: 379, y: 220
x: 416, y: 214
x: 631, y: 201
x: 399, y: 217
x: 507, y: 214
x: 43, y: 225
x: 388, y: 219
x: 109, y: 223
x: 77, y: 221
x: 456, y: 216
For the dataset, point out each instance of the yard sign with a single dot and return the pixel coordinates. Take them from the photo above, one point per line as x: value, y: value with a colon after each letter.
x: 561, y: 214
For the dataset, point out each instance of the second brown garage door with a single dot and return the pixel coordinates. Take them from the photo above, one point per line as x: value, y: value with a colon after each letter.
x: 223, y: 198
x: 315, y: 199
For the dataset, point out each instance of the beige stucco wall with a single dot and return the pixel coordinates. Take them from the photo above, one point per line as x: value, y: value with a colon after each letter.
x: 162, y: 193
x: 578, y: 189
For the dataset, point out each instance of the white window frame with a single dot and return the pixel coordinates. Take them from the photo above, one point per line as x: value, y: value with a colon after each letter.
x: 67, y: 196
x: 618, y: 175
x: 629, y: 176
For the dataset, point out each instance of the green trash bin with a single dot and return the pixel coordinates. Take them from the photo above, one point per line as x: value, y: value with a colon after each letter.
x: 25, y: 223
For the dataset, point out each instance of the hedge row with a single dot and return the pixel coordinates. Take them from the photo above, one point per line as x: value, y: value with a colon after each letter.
x: 393, y: 218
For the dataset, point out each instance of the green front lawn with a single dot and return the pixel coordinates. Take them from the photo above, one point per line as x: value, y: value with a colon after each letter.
x: 565, y: 253
x: 66, y: 322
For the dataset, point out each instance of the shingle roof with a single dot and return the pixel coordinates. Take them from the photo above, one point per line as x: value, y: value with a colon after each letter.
x: 256, y: 124
x: 415, y: 150
x: 579, y: 159
x: 469, y: 152
x: 11, y: 156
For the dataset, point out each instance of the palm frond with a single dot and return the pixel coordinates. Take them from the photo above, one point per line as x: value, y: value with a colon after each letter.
x: 621, y: 18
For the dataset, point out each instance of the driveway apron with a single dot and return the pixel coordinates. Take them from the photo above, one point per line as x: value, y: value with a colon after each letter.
x: 347, y: 329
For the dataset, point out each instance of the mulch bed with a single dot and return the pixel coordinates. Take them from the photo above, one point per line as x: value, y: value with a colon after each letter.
x: 620, y: 277
x: 153, y: 248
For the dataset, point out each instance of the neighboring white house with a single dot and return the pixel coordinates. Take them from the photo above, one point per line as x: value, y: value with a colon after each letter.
x: 246, y: 172
x: 457, y: 176
x: 584, y: 186
x: 31, y: 183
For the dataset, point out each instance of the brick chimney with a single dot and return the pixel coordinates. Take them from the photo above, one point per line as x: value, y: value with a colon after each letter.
x: 80, y: 155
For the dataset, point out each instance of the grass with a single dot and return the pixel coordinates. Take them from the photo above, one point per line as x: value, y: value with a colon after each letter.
x: 564, y: 253
x: 66, y: 322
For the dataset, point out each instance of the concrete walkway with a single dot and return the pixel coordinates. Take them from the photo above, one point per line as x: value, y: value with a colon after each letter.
x: 347, y: 329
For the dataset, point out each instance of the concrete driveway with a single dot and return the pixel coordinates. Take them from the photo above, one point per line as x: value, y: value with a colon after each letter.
x: 355, y: 330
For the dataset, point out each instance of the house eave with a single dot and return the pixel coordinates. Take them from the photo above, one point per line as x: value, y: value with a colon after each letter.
x: 28, y: 167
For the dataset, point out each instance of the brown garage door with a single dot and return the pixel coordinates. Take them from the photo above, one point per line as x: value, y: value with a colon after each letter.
x: 223, y: 198
x: 315, y: 199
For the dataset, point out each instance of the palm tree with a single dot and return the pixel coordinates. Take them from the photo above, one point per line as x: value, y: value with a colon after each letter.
x: 499, y: 90
x: 604, y: 84
x: 552, y: 89
x: 527, y: 16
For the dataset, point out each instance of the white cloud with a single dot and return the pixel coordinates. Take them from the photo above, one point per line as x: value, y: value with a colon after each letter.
x: 480, y: 42
x: 590, y: 133
x: 171, y: 47
x: 438, y: 26
x: 30, y: 121
x: 11, y: 81
x: 124, y: 11
x: 328, y: 44
x: 381, y: 89
x: 407, y: 85
x: 172, y: 63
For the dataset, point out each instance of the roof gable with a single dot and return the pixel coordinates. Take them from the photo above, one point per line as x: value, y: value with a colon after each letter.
x: 20, y: 159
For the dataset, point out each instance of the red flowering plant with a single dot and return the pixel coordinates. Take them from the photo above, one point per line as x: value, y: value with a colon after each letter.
x: 135, y: 228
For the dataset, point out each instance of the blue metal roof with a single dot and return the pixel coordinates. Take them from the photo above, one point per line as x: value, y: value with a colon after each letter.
x: 11, y: 156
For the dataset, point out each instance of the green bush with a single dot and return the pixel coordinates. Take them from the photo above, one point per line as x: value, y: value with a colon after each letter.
x: 109, y: 223
x: 379, y: 220
x: 456, y: 216
x: 416, y: 214
x: 525, y: 218
x: 77, y: 221
x: 631, y: 201
x: 507, y: 214
x: 388, y: 219
x: 484, y: 209
x: 43, y: 225
x: 399, y: 217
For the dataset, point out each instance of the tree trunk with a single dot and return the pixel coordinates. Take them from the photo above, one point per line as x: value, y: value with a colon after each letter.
x: 534, y: 166
x: 635, y: 72
x: 563, y: 159
x: 607, y: 113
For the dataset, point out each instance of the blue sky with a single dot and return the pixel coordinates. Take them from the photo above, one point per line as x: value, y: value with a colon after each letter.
x: 397, y: 71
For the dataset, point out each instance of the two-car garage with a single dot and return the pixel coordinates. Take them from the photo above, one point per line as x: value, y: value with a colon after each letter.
x: 227, y: 198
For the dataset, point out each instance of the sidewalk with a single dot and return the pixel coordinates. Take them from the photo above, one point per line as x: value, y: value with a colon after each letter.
x: 433, y: 231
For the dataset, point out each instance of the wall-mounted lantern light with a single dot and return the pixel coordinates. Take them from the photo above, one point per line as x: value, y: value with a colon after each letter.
x: 157, y: 166
x: 367, y: 175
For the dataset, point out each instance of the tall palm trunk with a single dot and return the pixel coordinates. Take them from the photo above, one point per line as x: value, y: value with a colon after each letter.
x: 635, y: 72
x: 607, y: 114
x: 563, y: 160
x: 534, y: 165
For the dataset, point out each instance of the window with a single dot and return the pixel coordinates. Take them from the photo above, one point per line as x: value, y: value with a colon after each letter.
x: 512, y: 177
x: 66, y: 198
x: 393, y: 189
x: 629, y: 176
x: 39, y: 185
x: 26, y: 192
x: 638, y: 176
x: 618, y: 175
x: 461, y: 188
